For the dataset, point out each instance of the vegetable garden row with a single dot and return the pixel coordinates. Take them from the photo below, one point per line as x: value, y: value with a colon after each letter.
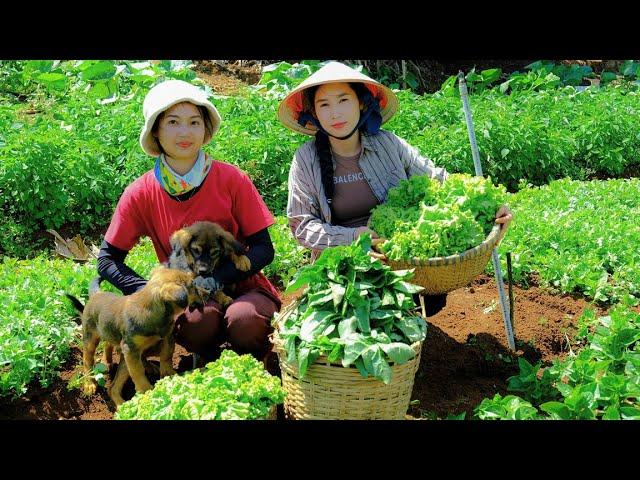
x: 564, y: 159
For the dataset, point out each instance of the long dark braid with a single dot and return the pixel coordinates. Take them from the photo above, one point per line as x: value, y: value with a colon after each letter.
x: 323, y: 147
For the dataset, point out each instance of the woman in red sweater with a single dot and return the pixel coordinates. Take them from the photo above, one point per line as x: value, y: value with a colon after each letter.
x: 185, y: 186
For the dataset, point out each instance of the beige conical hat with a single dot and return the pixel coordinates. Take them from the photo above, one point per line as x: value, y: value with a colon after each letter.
x: 291, y: 107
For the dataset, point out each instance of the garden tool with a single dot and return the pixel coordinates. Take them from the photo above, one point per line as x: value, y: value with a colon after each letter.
x: 478, y: 167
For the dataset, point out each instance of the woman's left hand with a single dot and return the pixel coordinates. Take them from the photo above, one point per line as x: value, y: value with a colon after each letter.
x: 504, y: 217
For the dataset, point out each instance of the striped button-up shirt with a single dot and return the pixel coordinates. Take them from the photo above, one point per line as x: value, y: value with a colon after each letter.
x: 386, y: 160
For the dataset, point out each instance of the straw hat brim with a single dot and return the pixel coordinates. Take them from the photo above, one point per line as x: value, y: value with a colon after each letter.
x: 291, y: 107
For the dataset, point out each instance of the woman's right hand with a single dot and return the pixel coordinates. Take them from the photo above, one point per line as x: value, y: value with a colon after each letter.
x: 380, y: 256
x: 363, y: 230
x: 375, y: 240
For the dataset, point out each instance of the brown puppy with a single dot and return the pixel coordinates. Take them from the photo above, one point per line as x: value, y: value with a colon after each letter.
x: 134, y: 323
x: 200, y: 247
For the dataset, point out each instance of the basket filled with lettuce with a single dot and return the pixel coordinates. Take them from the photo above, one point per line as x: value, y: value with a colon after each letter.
x: 446, y: 231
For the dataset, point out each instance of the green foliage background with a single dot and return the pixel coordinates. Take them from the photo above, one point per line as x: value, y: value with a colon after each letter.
x: 69, y: 137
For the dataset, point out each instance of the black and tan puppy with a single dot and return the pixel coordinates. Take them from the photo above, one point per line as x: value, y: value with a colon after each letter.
x: 199, y: 248
x: 134, y: 323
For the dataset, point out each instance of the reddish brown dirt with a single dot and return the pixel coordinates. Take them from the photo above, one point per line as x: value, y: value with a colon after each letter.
x: 465, y: 357
x: 227, y: 79
x: 58, y: 402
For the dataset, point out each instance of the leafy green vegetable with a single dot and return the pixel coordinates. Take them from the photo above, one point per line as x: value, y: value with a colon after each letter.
x: 424, y: 219
x: 80, y: 120
x: 506, y: 408
x: 579, y: 237
x: 36, y: 322
x: 601, y: 381
x: 355, y: 310
x: 234, y: 387
x: 289, y: 255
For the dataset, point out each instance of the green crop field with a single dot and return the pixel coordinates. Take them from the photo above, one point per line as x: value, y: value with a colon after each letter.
x: 564, y: 157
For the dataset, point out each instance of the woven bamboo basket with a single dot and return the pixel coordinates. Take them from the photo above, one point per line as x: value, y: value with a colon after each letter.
x: 440, y: 275
x: 330, y: 391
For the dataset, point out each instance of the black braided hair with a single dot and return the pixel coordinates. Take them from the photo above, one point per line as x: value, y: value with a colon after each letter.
x: 323, y: 147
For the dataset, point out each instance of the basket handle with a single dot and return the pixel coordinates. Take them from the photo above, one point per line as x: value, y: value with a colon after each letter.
x: 286, y: 312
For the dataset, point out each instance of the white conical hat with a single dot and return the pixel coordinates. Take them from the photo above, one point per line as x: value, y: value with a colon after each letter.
x: 165, y: 95
x: 291, y: 107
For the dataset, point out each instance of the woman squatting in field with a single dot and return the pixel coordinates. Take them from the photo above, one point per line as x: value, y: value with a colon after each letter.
x: 186, y: 185
x: 338, y: 177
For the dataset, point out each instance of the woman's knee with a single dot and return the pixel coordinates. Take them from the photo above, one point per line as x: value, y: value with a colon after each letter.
x: 248, y: 327
x: 199, y: 330
x: 247, y: 332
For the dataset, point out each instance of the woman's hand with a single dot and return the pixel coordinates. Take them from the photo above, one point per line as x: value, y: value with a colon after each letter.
x: 375, y: 240
x: 363, y: 230
x: 379, y: 256
x: 503, y: 217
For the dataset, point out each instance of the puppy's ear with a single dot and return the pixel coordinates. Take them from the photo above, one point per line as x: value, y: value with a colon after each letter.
x: 175, y: 293
x: 180, y: 240
x: 229, y: 244
x: 180, y: 257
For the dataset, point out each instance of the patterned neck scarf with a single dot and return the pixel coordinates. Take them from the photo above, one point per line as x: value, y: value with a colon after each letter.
x: 176, y: 184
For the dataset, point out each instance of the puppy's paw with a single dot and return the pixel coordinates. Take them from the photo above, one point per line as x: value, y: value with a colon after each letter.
x: 150, y: 368
x: 242, y: 263
x: 89, y: 386
x: 206, y: 284
x: 116, y: 398
x: 166, y: 370
x: 223, y: 299
x: 144, y: 387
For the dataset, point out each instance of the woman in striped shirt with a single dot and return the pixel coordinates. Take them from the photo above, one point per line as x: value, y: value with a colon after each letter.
x: 337, y: 178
